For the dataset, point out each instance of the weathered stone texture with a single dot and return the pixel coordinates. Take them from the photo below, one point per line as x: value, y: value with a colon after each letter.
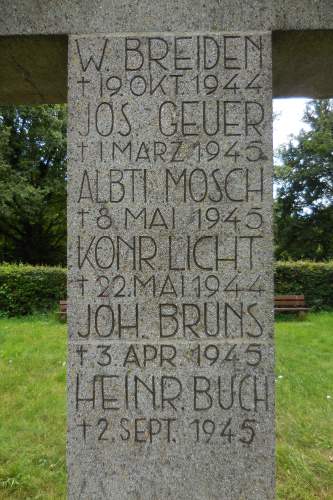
x: 105, y: 16
x: 170, y: 267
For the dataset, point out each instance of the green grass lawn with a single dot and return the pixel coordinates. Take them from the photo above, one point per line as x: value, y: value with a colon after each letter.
x: 33, y: 411
x: 33, y: 408
x: 304, y: 374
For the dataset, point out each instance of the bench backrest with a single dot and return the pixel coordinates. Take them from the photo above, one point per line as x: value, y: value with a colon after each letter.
x: 63, y: 305
x: 289, y: 301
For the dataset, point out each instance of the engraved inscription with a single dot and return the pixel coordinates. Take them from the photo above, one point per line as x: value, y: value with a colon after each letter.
x: 170, y: 342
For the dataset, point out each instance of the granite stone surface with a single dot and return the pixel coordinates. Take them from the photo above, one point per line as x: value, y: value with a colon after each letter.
x: 112, y: 16
x: 171, y: 355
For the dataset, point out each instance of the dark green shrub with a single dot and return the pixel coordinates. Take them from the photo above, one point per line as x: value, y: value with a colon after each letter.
x: 26, y: 289
x: 314, y: 280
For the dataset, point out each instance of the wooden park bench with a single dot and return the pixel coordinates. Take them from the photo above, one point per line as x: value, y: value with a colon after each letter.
x: 63, y: 310
x: 290, y: 304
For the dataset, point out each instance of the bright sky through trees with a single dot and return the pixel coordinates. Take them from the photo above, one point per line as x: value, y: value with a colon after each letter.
x: 288, y: 119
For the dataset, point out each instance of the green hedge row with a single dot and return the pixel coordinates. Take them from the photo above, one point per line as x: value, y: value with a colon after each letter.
x: 26, y: 289
x: 312, y: 279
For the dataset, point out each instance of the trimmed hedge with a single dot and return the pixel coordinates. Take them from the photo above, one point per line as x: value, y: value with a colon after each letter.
x: 26, y: 289
x: 314, y: 280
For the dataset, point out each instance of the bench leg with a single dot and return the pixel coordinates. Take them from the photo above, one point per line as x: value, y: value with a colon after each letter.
x: 302, y: 315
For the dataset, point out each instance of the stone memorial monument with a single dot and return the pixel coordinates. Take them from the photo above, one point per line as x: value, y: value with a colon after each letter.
x: 171, y: 385
x: 171, y: 355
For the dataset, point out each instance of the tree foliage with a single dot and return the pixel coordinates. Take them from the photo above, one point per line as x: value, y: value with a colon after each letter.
x: 33, y: 184
x: 304, y: 204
